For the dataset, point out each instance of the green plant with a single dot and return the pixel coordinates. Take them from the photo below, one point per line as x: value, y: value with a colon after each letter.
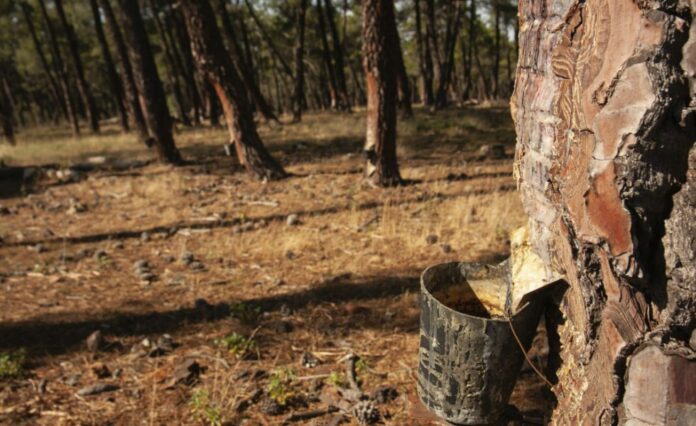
x: 204, y: 410
x: 337, y: 379
x: 237, y: 344
x: 245, y: 312
x: 281, y: 385
x: 12, y: 364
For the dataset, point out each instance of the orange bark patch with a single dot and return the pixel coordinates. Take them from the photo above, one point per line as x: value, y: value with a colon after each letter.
x: 606, y: 213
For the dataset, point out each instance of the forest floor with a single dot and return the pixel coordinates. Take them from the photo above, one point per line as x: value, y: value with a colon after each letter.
x: 215, y: 293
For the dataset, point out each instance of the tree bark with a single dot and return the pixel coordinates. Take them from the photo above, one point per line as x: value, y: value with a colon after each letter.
x: 215, y: 63
x: 425, y: 61
x: 6, y: 118
x: 114, y: 81
x: 381, y: 65
x: 167, y: 48
x: 403, y: 85
x: 432, y: 39
x: 61, y: 71
x: 605, y: 107
x: 336, y: 101
x: 299, y: 63
x: 151, y: 94
x: 244, y: 69
x: 451, y: 35
x: 496, y: 59
x: 82, y: 86
x: 338, y: 56
x: 130, y: 90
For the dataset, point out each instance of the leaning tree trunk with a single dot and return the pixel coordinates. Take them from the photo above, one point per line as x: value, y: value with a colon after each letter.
x: 381, y: 67
x: 604, y: 108
x: 215, y: 63
x: 130, y: 90
x: 153, y: 101
x: 82, y: 86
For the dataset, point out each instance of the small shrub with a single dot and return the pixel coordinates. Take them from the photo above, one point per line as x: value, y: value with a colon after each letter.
x: 337, y: 379
x: 204, y: 410
x: 281, y: 385
x: 238, y: 345
x: 12, y: 364
x: 246, y: 313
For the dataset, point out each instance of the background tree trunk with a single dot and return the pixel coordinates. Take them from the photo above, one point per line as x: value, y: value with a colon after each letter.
x: 151, y: 94
x: 381, y: 65
x: 130, y: 90
x: 425, y: 61
x: 338, y: 56
x: 215, y: 64
x: 114, y: 81
x: 85, y: 92
x: 298, y: 95
x: 61, y: 71
x: 606, y: 163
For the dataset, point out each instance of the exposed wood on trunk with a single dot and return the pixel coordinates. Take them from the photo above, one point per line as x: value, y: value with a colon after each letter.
x: 606, y: 164
x: 298, y: 94
x: 243, y: 68
x: 82, y: 86
x: 381, y: 65
x: 130, y: 90
x: 114, y: 80
x: 151, y: 94
x: 216, y: 65
x: 61, y: 71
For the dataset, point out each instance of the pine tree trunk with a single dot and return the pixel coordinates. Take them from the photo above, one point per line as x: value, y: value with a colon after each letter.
x: 214, y: 62
x: 26, y: 12
x: 244, y: 69
x: 152, y: 99
x: 61, y: 71
x: 338, y: 56
x: 298, y: 95
x: 135, y: 112
x: 171, y: 65
x: 85, y: 92
x: 114, y: 80
x: 425, y: 62
x: 381, y: 65
x: 605, y: 114
x: 6, y: 119
x: 403, y: 85
x: 326, y: 56
x: 451, y: 35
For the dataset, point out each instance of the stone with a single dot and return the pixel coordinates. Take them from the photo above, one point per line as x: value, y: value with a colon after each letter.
x: 431, y: 239
x: 197, y: 266
x: 145, y: 237
x: 292, y: 220
x: 140, y: 264
x: 100, y: 254
x: 446, y: 248
x: 187, y: 257
x: 95, y: 341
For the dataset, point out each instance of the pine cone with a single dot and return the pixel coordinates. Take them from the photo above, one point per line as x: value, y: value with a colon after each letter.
x: 365, y: 412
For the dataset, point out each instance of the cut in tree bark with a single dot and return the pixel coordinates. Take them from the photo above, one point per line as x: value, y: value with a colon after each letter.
x: 61, y: 71
x: 604, y: 108
x: 135, y: 112
x: 82, y: 86
x: 381, y: 65
x: 153, y: 101
x: 114, y: 80
x: 298, y: 95
x: 216, y: 65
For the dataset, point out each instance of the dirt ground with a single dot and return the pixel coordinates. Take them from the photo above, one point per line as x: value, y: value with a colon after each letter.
x: 216, y: 295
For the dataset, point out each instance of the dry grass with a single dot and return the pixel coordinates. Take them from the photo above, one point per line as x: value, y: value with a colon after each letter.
x: 355, y: 247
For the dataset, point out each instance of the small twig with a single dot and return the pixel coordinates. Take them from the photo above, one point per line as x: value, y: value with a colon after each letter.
x: 306, y: 415
x: 350, y: 372
x: 541, y: 376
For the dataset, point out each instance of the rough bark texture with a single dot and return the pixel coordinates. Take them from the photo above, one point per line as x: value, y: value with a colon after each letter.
x: 130, y: 90
x: 604, y: 109
x: 381, y: 67
x: 214, y: 62
x: 153, y: 101
x: 82, y: 86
